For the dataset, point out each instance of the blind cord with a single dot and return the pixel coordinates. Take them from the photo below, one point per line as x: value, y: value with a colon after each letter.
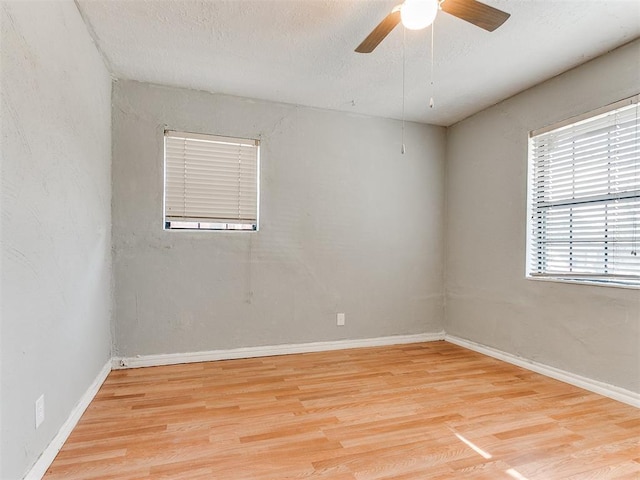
x: 184, y: 177
x: 239, y: 182
x: 634, y: 234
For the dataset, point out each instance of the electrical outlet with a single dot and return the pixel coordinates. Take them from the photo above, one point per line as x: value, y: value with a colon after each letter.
x: 40, y: 410
x: 340, y: 320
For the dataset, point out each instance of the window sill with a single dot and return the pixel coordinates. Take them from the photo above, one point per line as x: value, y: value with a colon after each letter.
x: 177, y: 226
x: 629, y: 284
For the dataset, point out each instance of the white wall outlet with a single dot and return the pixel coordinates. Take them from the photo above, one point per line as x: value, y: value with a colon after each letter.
x: 340, y: 319
x: 39, y: 410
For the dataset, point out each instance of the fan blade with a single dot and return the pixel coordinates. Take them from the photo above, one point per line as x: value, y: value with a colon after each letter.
x: 476, y: 13
x: 380, y: 32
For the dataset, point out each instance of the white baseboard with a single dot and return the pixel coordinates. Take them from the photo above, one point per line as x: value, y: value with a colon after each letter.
x: 601, y: 388
x: 46, y: 458
x: 268, y: 350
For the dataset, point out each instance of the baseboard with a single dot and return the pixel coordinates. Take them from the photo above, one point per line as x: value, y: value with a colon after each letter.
x: 46, y: 458
x: 268, y: 350
x: 601, y: 388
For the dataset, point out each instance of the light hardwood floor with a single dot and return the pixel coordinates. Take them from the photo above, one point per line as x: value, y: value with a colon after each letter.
x: 423, y: 411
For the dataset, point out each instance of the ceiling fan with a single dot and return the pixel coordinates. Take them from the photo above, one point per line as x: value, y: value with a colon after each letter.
x: 418, y: 14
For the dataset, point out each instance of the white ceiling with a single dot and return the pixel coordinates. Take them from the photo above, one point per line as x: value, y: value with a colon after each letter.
x: 301, y: 51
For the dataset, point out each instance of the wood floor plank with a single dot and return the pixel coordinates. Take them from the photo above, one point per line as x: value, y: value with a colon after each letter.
x: 421, y: 411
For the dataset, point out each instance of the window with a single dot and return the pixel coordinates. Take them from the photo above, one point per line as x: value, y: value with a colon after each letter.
x: 210, y: 182
x: 584, y: 198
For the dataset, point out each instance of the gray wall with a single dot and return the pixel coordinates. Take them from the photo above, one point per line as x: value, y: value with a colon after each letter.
x: 347, y: 224
x: 55, y: 240
x: 591, y: 331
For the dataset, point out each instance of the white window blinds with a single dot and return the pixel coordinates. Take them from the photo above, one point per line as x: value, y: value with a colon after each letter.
x: 584, y: 189
x: 211, y: 182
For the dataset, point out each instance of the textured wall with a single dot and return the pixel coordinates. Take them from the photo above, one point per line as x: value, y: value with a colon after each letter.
x: 589, y: 330
x: 347, y: 224
x: 55, y: 290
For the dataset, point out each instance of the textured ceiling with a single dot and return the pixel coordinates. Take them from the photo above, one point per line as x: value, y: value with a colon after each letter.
x: 301, y: 51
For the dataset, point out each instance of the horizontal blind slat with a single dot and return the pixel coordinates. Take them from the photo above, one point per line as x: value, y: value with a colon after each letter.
x: 585, y: 197
x: 210, y: 178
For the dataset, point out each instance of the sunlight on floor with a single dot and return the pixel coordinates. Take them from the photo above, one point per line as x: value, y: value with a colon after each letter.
x: 512, y: 472
x: 470, y: 444
x: 516, y: 474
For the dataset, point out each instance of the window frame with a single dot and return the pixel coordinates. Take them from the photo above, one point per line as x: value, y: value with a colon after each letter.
x: 209, y: 224
x: 598, y: 279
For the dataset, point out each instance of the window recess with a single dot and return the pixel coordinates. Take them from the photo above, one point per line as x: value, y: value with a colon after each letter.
x: 584, y: 198
x: 211, y: 182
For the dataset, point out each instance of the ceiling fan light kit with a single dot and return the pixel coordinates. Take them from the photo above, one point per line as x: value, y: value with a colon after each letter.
x: 417, y: 14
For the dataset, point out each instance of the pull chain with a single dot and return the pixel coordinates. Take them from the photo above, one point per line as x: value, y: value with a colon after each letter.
x: 433, y: 28
x: 402, y: 149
